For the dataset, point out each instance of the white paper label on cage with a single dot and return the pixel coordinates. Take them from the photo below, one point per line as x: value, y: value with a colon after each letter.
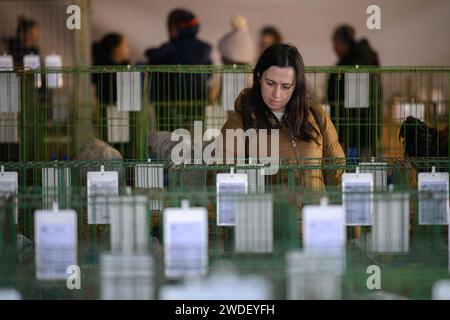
x: 215, y: 118
x: 404, y: 110
x: 55, y: 177
x: 313, y: 276
x: 149, y: 175
x: 129, y: 228
x: 185, y: 241
x: 390, y: 231
x: 55, y: 183
x: 55, y: 243
x: 129, y: 91
x: 232, y: 86
x: 10, y: 294
x: 254, y: 223
x: 9, y: 92
x: 118, y: 125
x: 357, y: 198
x: 9, y: 185
x: 101, y: 186
x: 54, y: 79
x: 441, y: 290
x: 9, y: 127
x: 433, y: 198
x: 33, y: 62
x: 220, y: 286
x: 357, y: 86
x: 228, y: 186
x: 255, y: 179
x: 324, y: 228
x: 127, y: 276
x: 6, y: 62
x: 379, y: 171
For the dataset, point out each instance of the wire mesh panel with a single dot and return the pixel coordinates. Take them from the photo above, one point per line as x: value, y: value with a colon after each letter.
x: 411, y: 256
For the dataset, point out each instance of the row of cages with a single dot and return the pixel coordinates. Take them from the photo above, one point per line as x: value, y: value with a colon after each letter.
x: 51, y: 113
x: 139, y: 230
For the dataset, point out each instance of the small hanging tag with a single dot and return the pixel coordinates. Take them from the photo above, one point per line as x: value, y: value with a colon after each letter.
x: 6, y: 62
x: 324, y: 228
x: 118, y: 125
x: 129, y: 227
x: 254, y: 223
x: 56, y: 183
x: 379, y: 171
x: 129, y: 91
x: 9, y: 127
x: 232, y: 86
x: 357, y: 197
x: 33, y: 62
x: 441, y: 290
x: 9, y: 86
x: 185, y: 241
x: 433, y: 197
x: 9, y: 185
x: 228, y: 185
x: 313, y: 275
x: 100, y: 186
x: 390, y: 228
x: 221, y: 285
x: 403, y: 110
x: 10, y: 294
x: 127, y: 276
x: 54, y: 79
x: 255, y: 176
x: 55, y: 243
x: 357, y: 86
x: 149, y: 175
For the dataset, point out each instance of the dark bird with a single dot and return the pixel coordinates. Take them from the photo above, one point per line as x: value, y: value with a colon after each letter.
x: 420, y: 140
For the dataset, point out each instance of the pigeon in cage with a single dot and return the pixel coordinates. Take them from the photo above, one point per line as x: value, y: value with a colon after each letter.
x: 420, y: 140
x: 160, y: 146
x: 98, y: 150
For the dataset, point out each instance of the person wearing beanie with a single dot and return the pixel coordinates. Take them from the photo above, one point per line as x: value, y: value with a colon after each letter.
x: 236, y: 47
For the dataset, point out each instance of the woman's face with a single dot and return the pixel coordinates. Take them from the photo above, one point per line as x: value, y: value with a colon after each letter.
x: 277, y: 86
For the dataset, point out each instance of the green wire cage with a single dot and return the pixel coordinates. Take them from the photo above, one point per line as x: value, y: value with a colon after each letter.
x: 83, y: 119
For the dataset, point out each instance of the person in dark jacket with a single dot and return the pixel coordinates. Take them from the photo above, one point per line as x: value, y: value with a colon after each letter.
x: 111, y: 50
x: 183, y: 48
x: 357, y: 127
x: 26, y: 40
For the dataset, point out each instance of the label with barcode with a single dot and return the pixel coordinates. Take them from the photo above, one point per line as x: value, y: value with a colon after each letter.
x: 56, y: 243
x: 433, y: 198
x: 100, y: 186
x: 228, y: 186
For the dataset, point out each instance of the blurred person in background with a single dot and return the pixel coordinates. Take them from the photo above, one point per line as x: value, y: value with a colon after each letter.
x: 176, y: 89
x: 358, y: 132
x: 183, y: 46
x: 111, y: 50
x: 236, y: 48
x: 26, y: 41
x: 269, y: 36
